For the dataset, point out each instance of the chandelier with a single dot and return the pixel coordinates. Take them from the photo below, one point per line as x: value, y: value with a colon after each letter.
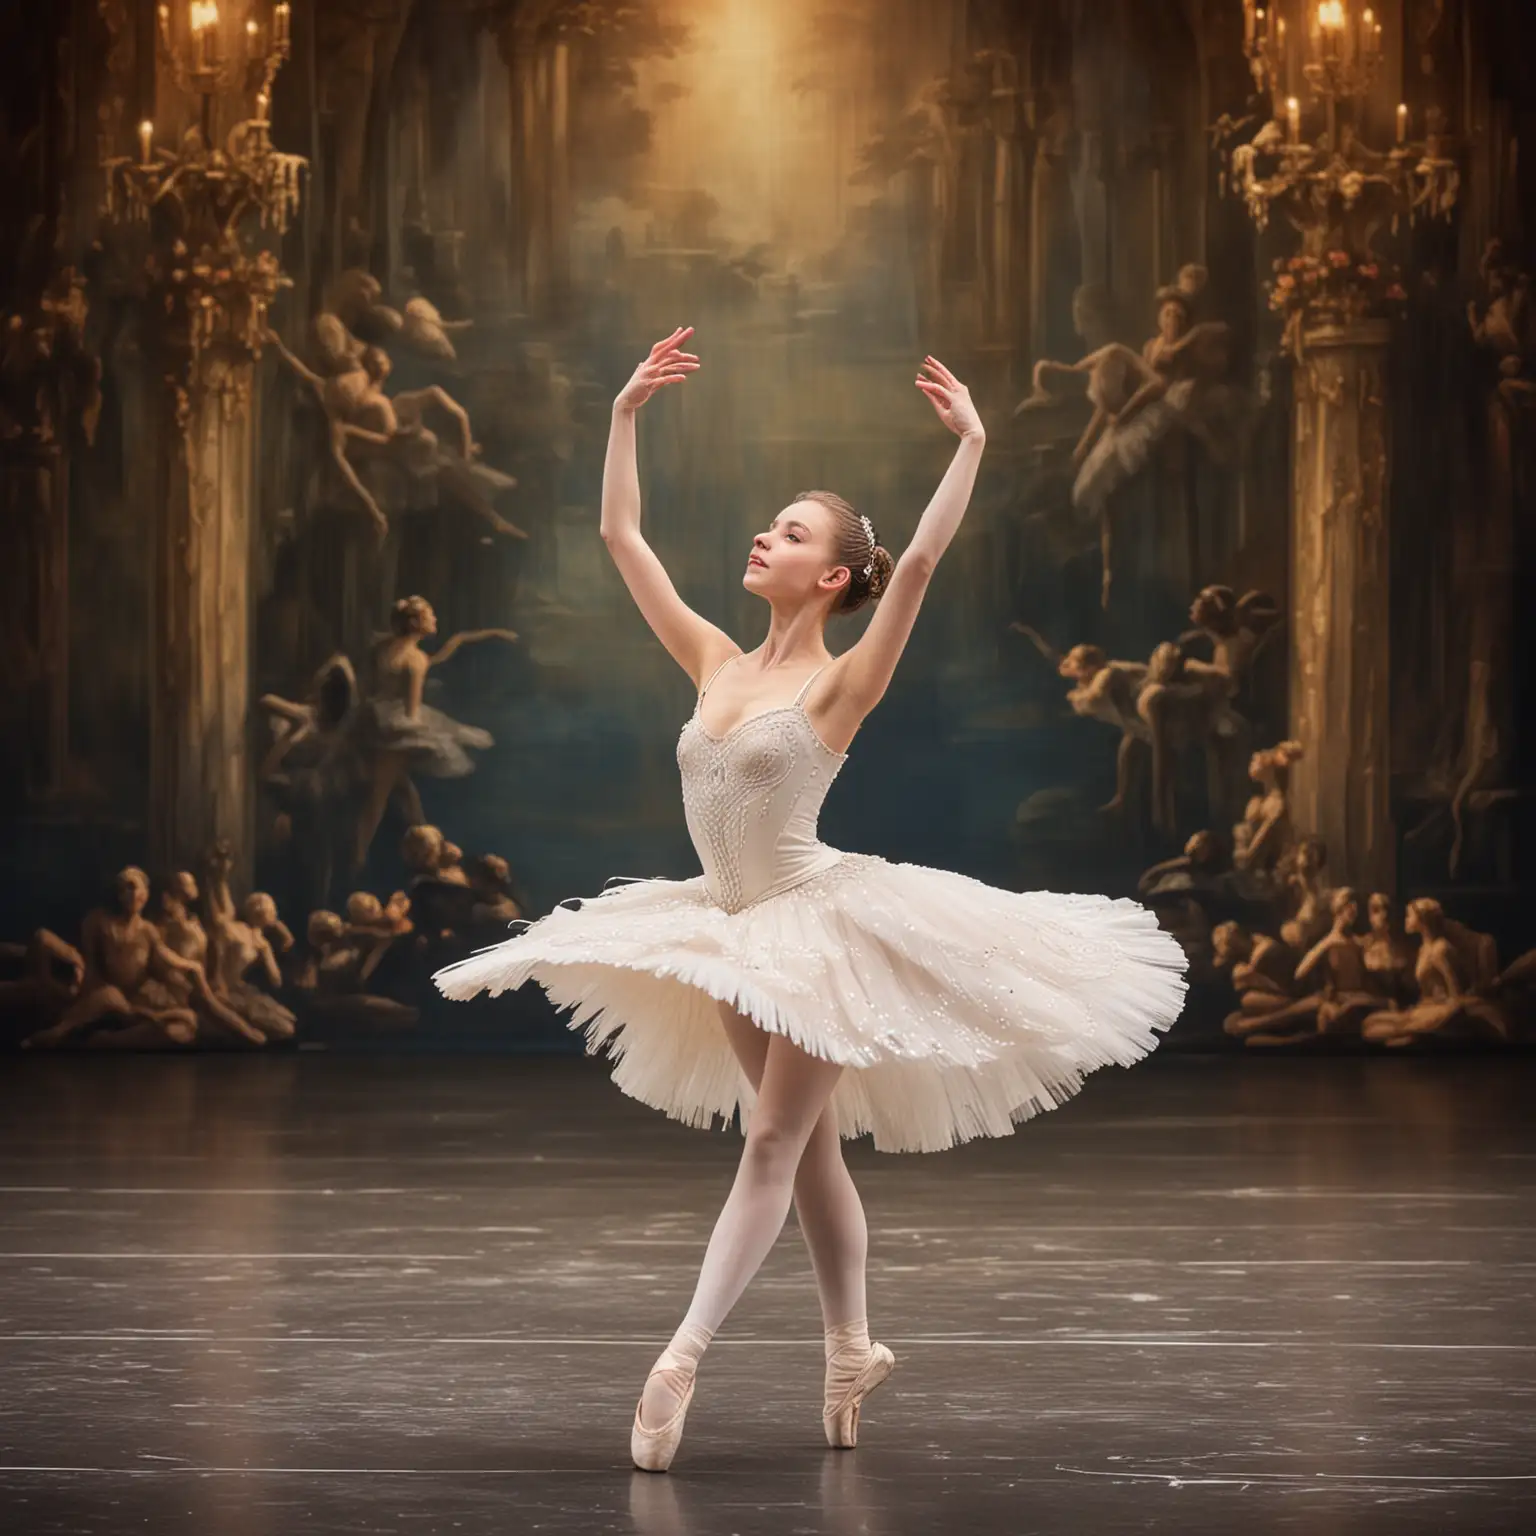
x: 1336, y: 188
x: 203, y: 194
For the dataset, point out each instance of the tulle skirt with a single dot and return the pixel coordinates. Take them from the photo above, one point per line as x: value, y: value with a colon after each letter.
x: 433, y: 742
x: 958, y: 1008
x: 1123, y: 450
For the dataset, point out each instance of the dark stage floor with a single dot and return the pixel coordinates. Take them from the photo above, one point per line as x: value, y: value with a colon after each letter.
x: 320, y: 1295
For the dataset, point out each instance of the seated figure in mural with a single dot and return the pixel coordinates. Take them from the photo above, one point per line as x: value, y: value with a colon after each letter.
x: 243, y: 942
x: 335, y: 973
x: 38, y: 981
x: 1389, y: 957
x: 1455, y: 973
x: 1265, y: 834
x: 132, y: 994
x: 183, y: 932
x: 1301, y: 872
x: 1202, y: 872
x: 368, y: 917
x: 429, y: 856
x: 399, y: 735
x: 1271, y: 1008
x: 442, y: 896
x: 1349, y: 988
x: 364, y: 420
x: 1138, y: 398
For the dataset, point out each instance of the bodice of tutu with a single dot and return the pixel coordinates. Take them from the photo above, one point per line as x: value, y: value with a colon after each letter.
x: 433, y: 741
x: 752, y: 799
x: 390, y: 685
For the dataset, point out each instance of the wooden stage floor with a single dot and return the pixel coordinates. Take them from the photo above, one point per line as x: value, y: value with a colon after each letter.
x: 321, y: 1295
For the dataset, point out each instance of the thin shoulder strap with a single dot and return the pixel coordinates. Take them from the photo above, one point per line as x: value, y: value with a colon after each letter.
x: 716, y: 673
x: 800, y: 697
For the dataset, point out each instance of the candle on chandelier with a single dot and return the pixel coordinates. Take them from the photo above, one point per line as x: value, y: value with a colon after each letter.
x: 1261, y: 27
x: 1293, y: 120
x: 263, y: 101
x: 281, y: 14
x: 1367, y: 33
x: 1248, y: 23
x: 1330, y: 21
x: 205, y: 32
x: 1402, y: 123
x: 146, y: 137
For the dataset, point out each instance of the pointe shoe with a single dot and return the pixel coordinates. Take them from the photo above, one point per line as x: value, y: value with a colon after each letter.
x: 652, y: 1450
x: 840, y: 1416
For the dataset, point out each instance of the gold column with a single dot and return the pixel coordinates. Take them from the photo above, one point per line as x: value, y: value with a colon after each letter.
x: 200, y: 773
x: 1340, y: 585
x: 194, y: 212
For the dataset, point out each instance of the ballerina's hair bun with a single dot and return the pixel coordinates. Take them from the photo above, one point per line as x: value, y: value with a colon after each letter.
x: 869, y: 562
x: 408, y: 616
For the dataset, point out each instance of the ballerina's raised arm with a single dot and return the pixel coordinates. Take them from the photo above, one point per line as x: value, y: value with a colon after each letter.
x: 857, y: 680
x: 688, y: 637
x: 793, y: 563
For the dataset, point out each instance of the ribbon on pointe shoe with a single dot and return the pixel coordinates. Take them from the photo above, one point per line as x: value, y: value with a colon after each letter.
x: 848, y: 1350
x: 677, y: 1365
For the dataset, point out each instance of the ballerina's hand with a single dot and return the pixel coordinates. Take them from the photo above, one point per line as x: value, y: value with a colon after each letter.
x: 951, y: 399
x: 665, y: 365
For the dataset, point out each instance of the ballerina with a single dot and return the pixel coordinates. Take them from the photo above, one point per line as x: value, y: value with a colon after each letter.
x: 1138, y: 398
x: 398, y: 734
x: 820, y: 993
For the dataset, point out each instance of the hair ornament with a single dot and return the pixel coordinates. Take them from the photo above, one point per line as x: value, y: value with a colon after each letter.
x: 869, y: 533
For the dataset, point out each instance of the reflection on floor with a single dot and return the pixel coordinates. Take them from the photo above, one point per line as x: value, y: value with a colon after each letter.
x: 327, y: 1295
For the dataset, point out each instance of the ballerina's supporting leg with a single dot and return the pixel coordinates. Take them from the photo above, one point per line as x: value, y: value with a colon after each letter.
x: 389, y: 769
x: 831, y: 1217
x: 795, y: 1089
x: 827, y: 1203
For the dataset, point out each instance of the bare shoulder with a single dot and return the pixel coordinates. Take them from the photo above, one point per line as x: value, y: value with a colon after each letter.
x: 835, y: 706
x: 715, y: 649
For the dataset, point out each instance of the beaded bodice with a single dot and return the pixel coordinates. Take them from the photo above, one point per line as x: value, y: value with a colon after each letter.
x: 752, y: 798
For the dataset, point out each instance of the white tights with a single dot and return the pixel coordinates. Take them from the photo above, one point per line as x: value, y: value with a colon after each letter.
x: 792, y: 1150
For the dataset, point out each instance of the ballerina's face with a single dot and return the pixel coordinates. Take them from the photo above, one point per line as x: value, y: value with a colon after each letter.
x: 796, y: 556
x: 132, y: 891
x: 420, y: 619
x: 1082, y: 663
x: 1172, y: 321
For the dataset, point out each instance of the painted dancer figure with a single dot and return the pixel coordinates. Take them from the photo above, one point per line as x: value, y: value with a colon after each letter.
x: 821, y: 993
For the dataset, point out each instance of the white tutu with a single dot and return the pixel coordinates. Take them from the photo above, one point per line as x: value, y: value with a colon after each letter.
x: 1123, y: 449
x: 959, y: 1009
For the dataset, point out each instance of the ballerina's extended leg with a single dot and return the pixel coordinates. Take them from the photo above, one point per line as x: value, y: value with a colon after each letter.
x: 794, y: 1090
x: 827, y: 1203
